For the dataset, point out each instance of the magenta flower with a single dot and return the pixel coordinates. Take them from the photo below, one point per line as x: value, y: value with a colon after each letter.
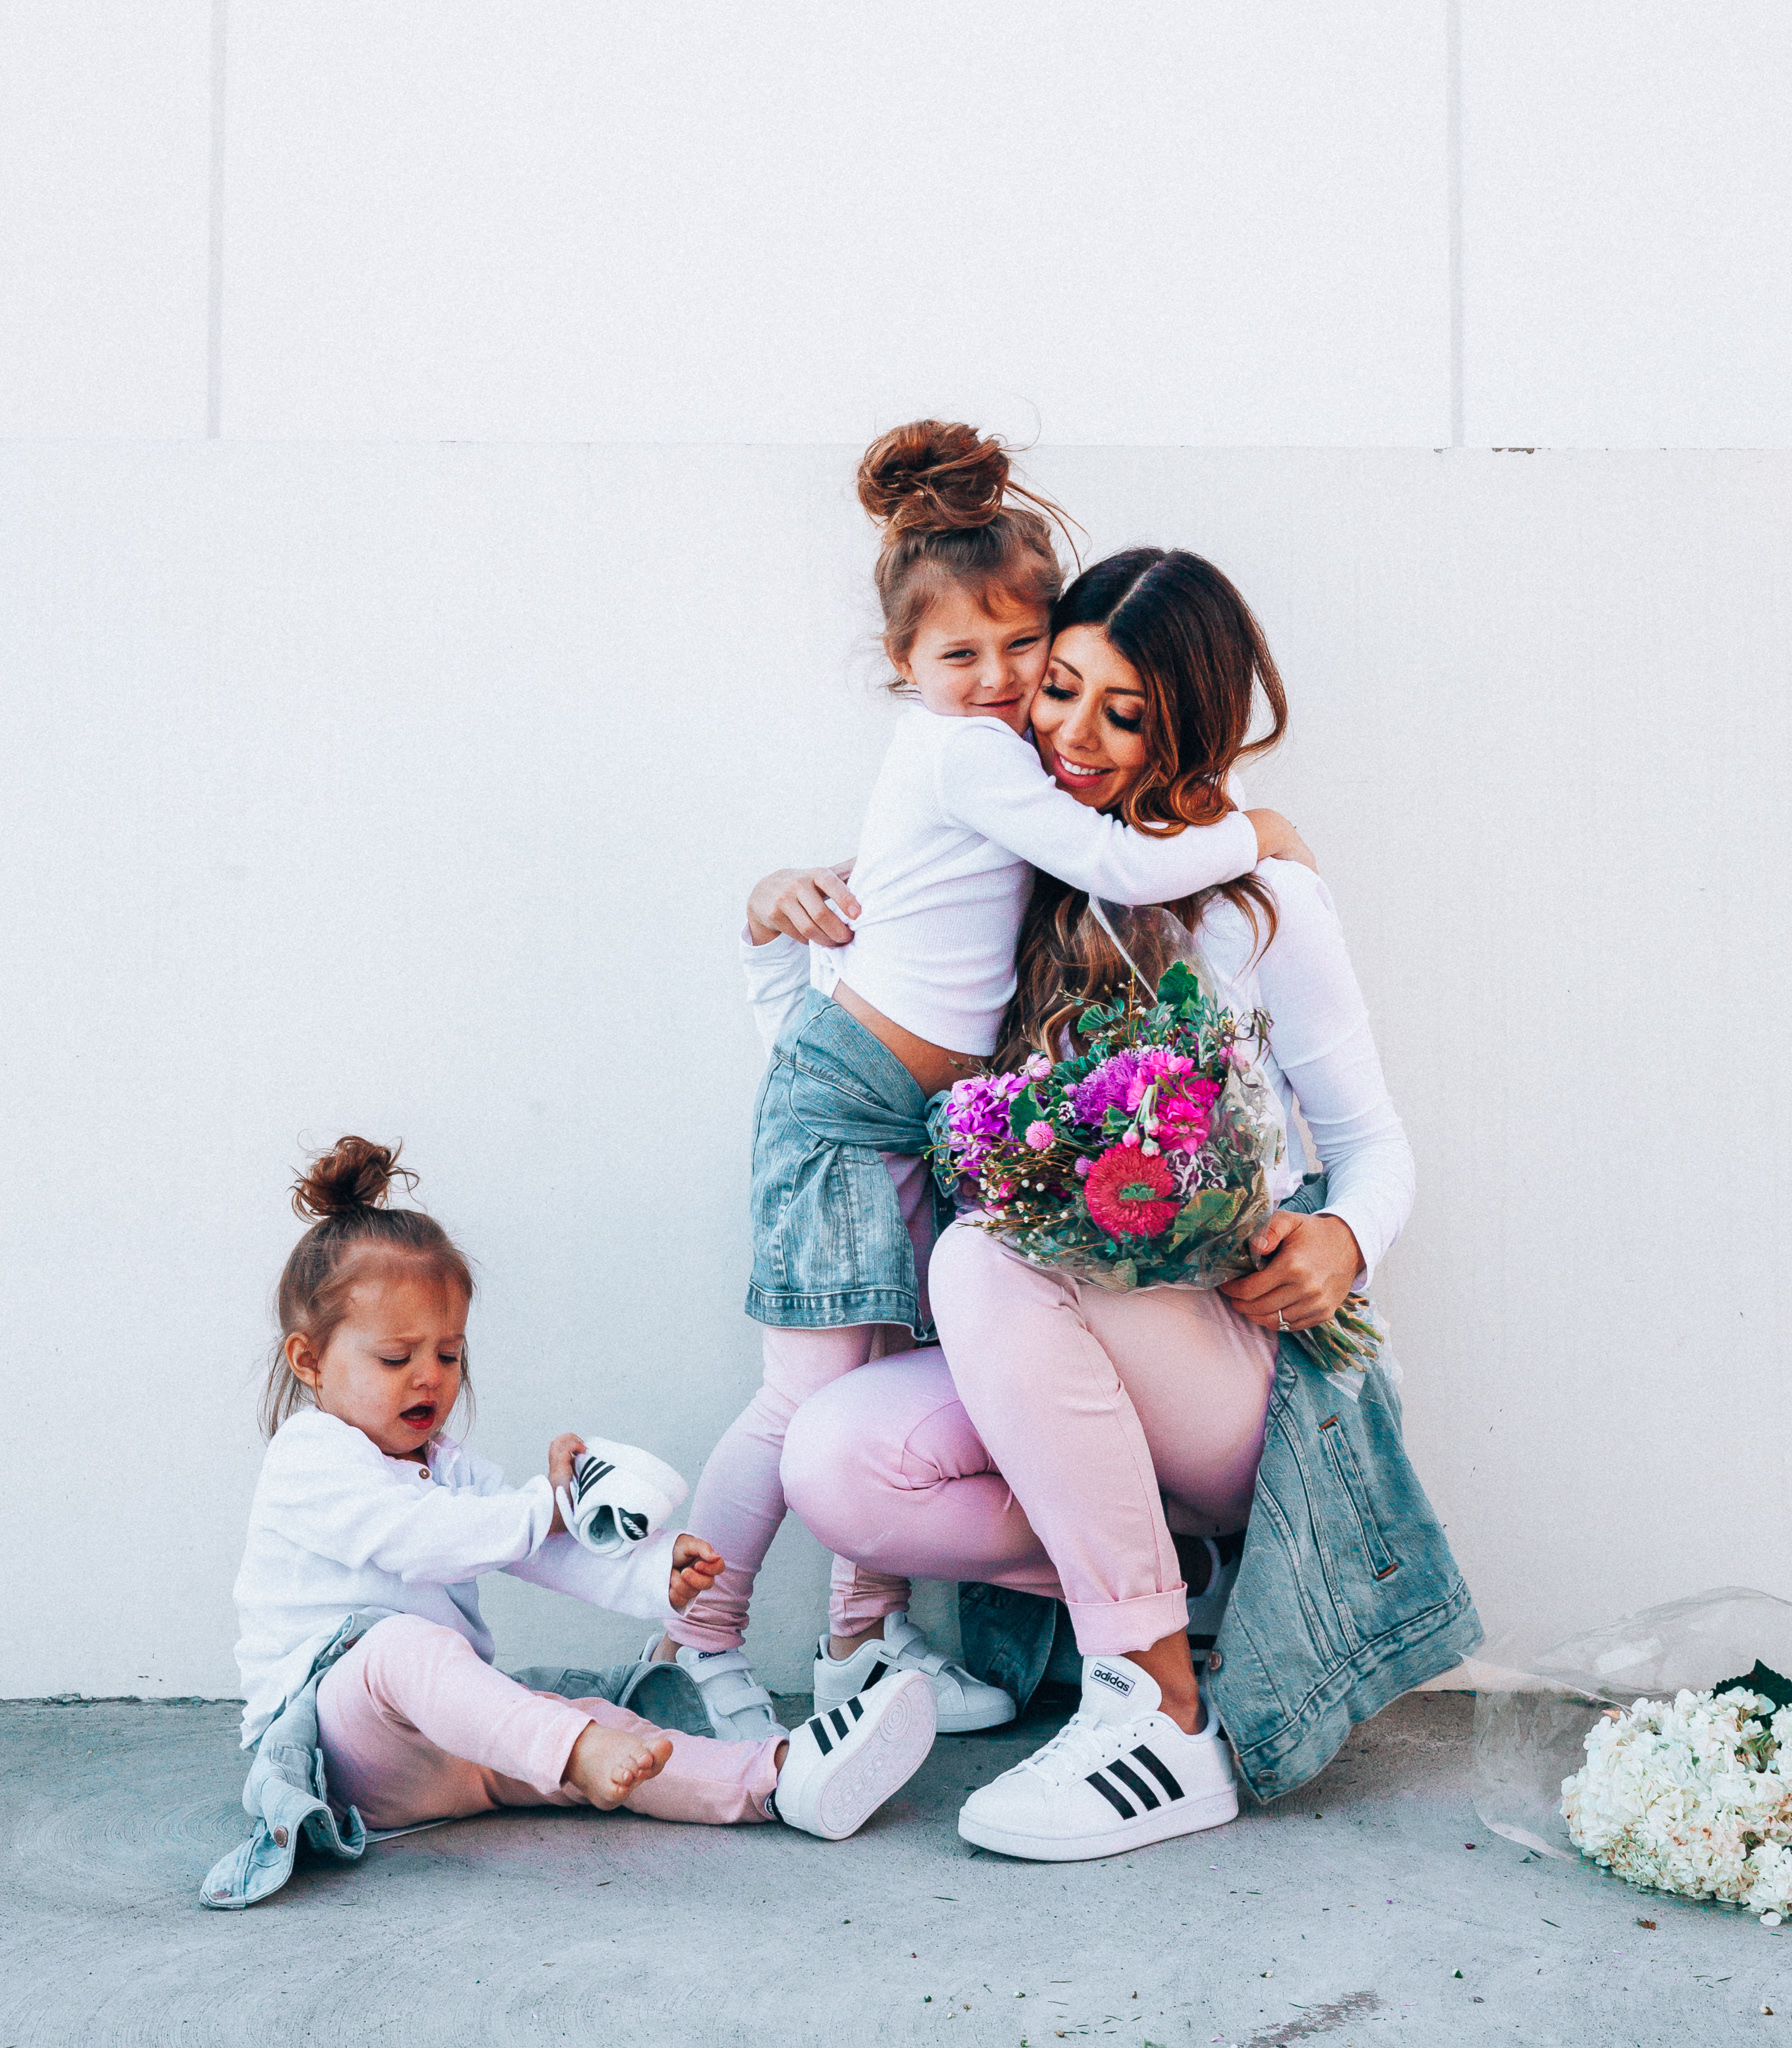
x: 1041, y: 1136
x: 1185, y: 1116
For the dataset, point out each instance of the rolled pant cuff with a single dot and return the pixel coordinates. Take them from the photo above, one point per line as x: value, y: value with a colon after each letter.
x: 1115, y: 1628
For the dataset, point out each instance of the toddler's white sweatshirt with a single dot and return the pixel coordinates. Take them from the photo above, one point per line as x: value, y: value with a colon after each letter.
x: 337, y: 1526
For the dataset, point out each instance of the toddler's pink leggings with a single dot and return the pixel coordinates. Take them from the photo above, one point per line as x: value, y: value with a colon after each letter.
x: 1046, y: 1457
x: 416, y: 1726
x: 739, y: 1500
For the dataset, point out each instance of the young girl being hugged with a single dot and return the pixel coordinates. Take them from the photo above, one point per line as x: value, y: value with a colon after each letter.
x: 366, y: 1508
x: 867, y: 1023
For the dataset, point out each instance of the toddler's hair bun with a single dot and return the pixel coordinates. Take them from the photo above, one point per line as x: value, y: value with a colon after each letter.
x: 354, y: 1174
x: 932, y: 476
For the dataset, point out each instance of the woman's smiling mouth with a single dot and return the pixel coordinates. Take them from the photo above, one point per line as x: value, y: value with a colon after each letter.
x: 1078, y: 773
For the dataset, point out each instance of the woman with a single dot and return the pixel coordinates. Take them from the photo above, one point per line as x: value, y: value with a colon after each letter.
x: 1064, y: 1433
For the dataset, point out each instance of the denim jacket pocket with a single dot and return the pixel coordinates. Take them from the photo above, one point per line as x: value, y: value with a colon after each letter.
x: 1382, y: 1561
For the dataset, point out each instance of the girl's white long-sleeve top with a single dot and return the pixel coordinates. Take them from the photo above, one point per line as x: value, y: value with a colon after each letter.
x: 960, y: 815
x: 1320, y: 1056
x: 336, y: 1526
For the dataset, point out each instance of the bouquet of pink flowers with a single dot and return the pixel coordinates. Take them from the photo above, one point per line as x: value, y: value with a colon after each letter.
x: 1141, y: 1160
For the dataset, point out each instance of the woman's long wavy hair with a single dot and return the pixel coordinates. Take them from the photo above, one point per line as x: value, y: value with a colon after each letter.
x: 1203, y: 659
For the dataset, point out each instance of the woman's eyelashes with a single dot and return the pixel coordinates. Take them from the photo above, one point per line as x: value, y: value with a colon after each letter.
x: 1059, y: 694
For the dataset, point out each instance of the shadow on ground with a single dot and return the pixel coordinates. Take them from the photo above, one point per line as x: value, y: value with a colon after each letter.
x: 1356, y: 1913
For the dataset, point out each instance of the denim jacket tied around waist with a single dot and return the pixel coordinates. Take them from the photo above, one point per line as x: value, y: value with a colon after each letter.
x: 1347, y: 1593
x: 830, y: 1247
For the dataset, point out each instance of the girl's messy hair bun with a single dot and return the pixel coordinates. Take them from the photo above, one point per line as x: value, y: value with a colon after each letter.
x: 952, y: 514
x: 934, y: 476
x: 355, y: 1174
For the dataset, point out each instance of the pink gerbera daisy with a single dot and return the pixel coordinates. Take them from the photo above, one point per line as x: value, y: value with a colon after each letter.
x: 1131, y: 1194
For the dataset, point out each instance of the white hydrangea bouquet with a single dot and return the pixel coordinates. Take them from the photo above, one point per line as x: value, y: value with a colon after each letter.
x: 1692, y: 1795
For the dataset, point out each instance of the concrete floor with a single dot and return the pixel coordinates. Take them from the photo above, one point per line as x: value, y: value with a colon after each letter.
x: 1357, y: 1915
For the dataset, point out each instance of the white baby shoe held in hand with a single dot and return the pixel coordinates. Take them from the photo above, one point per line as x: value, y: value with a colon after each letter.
x: 1117, y: 1775
x: 964, y: 1703
x: 845, y: 1763
x: 618, y: 1496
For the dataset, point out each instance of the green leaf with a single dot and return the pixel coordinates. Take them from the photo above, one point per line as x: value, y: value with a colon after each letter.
x: 1026, y: 1110
x: 1764, y: 1680
x: 1178, y: 984
x: 1209, y: 1211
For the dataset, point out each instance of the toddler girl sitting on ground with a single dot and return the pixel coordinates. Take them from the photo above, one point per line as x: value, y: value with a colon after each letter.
x: 365, y: 1507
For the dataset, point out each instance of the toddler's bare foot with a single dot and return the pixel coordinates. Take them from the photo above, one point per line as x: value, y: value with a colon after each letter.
x: 608, y: 1763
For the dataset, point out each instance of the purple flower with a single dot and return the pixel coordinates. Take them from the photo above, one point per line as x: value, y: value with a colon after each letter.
x: 1107, y: 1088
x: 1041, y: 1136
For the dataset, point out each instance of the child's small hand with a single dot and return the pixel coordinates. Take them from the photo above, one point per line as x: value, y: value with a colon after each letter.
x: 1278, y: 840
x: 561, y: 1452
x: 695, y: 1568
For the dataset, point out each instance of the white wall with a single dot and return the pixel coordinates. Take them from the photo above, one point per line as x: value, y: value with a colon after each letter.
x: 357, y: 775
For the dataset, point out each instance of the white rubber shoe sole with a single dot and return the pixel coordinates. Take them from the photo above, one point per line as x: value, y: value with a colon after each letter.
x: 844, y: 1763
x: 1187, y: 1817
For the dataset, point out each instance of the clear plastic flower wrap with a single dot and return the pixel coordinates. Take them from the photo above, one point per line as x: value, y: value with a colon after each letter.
x: 1535, y: 1707
x: 1143, y: 1157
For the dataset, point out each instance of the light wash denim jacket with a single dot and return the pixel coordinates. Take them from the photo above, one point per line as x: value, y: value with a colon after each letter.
x: 829, y: 1243
x: 1347, y: 1594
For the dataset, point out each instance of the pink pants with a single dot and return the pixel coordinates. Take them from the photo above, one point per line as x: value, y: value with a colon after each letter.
x: 739, y: 1500
x: 415, y: 1726
x: 1072, y: 1428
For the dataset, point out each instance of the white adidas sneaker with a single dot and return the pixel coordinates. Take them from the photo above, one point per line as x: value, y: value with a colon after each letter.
x: 844, y: 1763
x: 1117, y: 1775
x: 964, y: 1703
x: 739, y: 1707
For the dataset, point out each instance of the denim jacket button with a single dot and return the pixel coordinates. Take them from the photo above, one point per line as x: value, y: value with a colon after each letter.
x: 280, y: 1838
x: 1214, y: 1660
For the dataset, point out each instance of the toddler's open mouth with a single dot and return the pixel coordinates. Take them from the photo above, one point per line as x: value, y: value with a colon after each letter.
x: 420, y: 1416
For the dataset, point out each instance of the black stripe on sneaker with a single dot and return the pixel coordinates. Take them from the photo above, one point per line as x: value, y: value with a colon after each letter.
x: 856, y: 1707
x: 877, y: 1671
x: 1160, y: 1771
x: 1135, y: 1785
x: 821, y: 1735
x: 840, y: 1725
x: 1117, y: 1800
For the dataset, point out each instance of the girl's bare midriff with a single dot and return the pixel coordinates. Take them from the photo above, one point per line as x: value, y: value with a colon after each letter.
x: 932, y: 1067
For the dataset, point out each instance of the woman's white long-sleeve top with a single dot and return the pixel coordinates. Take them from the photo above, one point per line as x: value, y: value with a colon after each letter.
x: 1320, y: 1056
x: 336, y: 1526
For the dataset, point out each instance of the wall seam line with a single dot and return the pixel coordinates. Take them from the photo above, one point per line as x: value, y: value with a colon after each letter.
x: 1453, y: 155
x: 214, y: 334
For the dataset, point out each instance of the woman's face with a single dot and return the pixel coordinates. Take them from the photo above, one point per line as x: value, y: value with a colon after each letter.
x: 1089, y: 717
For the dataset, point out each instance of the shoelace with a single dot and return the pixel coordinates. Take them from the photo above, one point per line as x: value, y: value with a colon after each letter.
x: 1082, y: 1745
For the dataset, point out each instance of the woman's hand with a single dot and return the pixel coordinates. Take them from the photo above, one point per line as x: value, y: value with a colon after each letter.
x: 1278, y: 840
x: 695, y: 1568
x: 810, y: 905
x: 1311, y: 1263
x: 561, y: 1452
